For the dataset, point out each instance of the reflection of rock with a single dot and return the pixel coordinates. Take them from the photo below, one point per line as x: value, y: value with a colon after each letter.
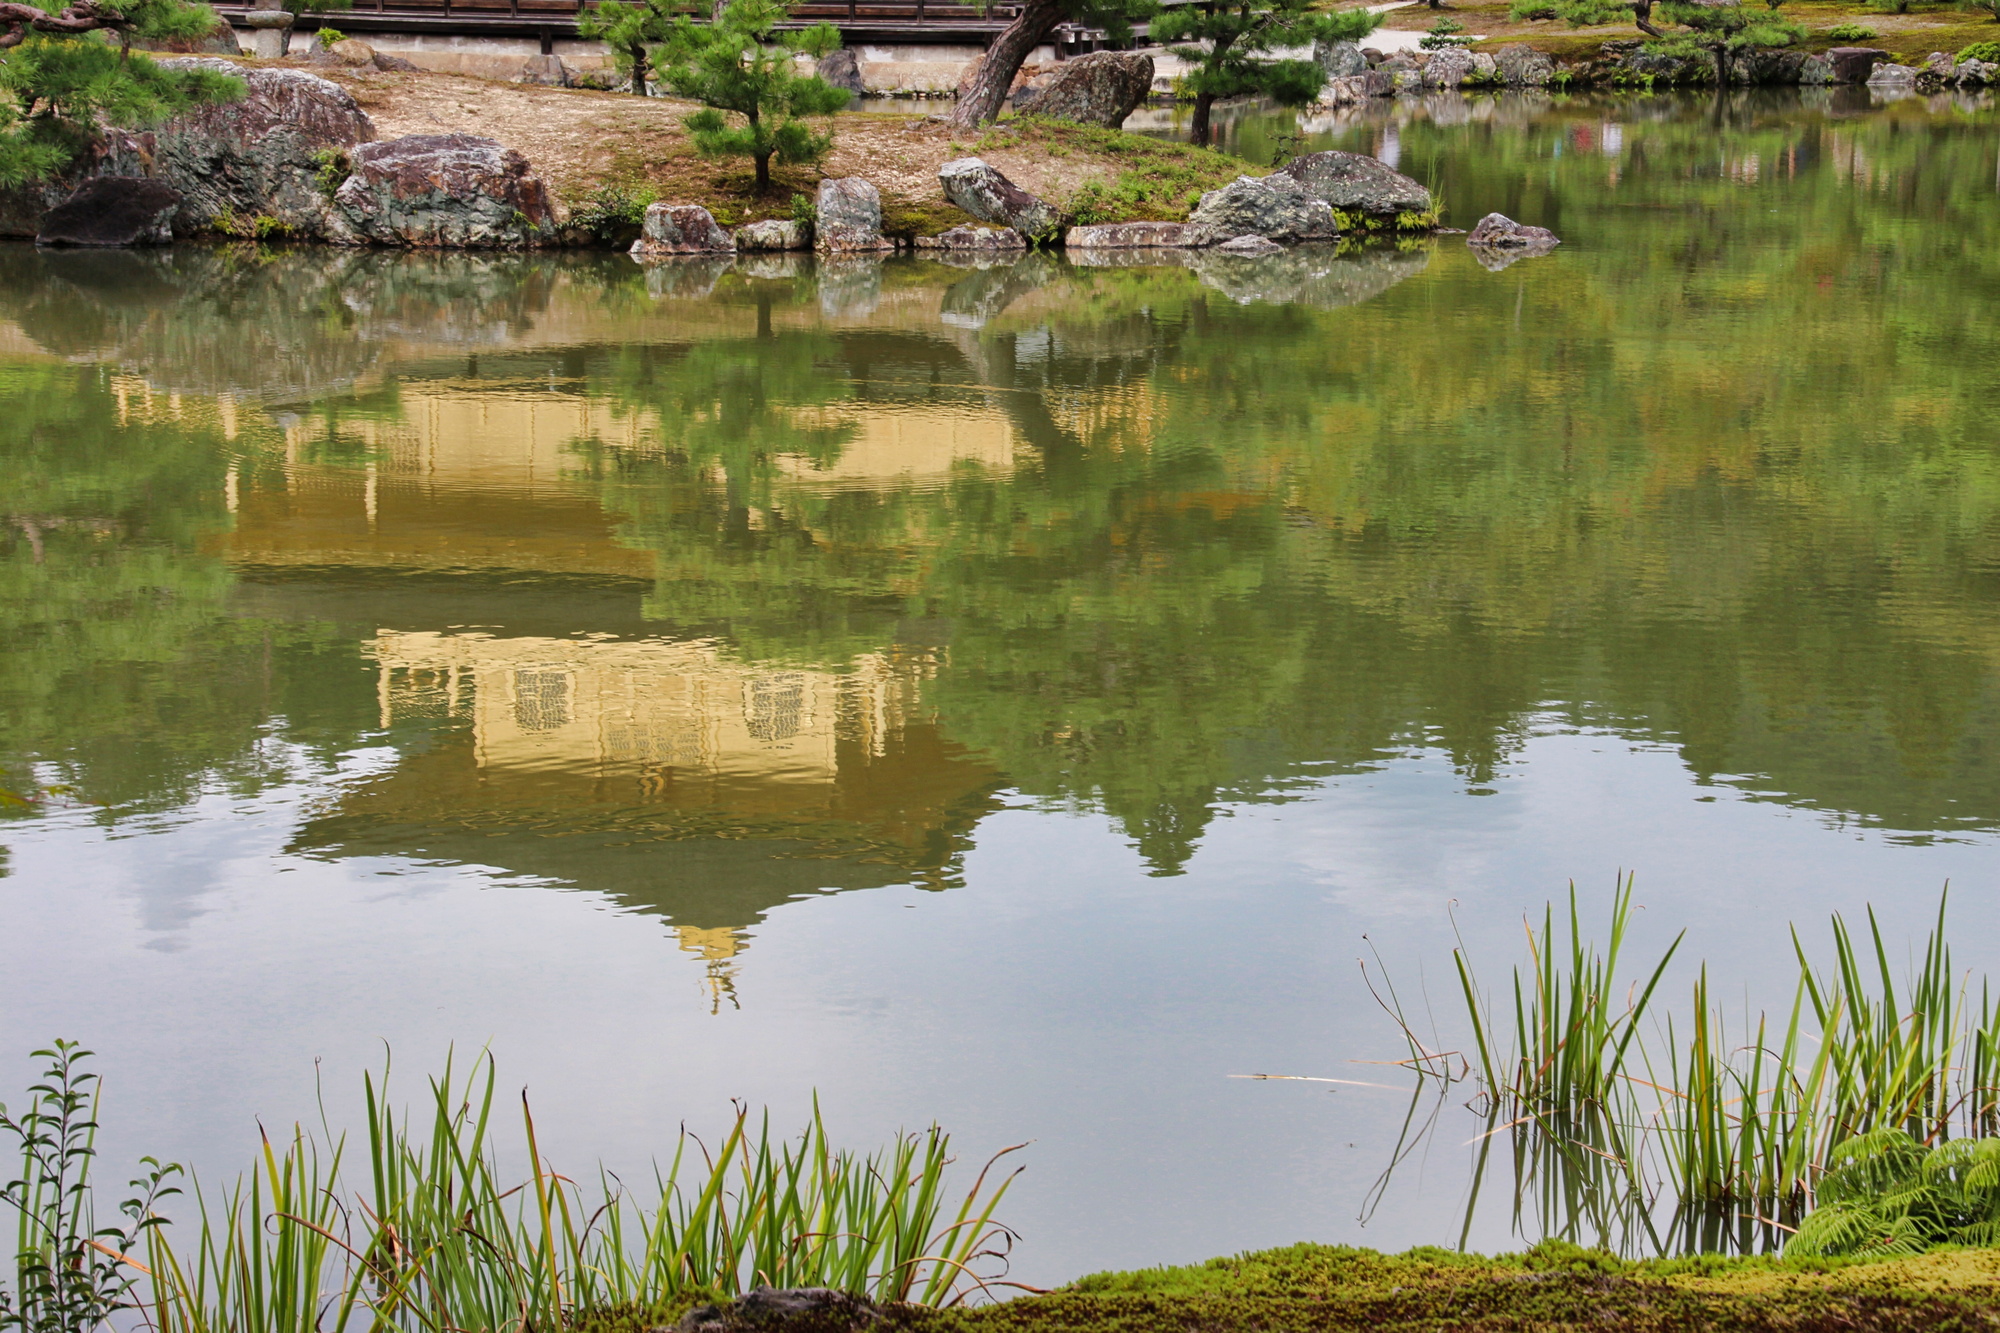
x: 774, y: 265
x: 978, y: 240
x: 1249, y: 245
x: 1311, y: 275
x: 113, y: 210
x: 974, y: 301
x: 988, y: 195
x: 453, y: 190
x: 850, y: 217
x: 1276, y: 207
x: 1138, y: 257
x: 850, y: 286
x: 684, y: 276
x: 1101, y: 88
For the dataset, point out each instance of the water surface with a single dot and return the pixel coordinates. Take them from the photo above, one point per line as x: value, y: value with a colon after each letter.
x: 1013, y: 696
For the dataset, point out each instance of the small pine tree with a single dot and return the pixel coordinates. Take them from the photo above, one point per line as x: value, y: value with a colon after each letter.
x: 1229, y: 47
x: 737, y: 64
x: 631, y: 28
x: 65, y: 72
x: 1724, y: 32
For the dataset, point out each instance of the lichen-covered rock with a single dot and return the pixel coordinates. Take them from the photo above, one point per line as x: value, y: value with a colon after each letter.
x: 1484, y: 65
x: 1403, y: 72
x: 1894, y: 78
x: 680, y: 229
x: 1976, y: 73
x: 988, y: 195
x: 451, y: 190
x: 1276, y: 207
x: 1340, y: 60
x: 112, y: 211
x: 1101, y: 88
x: 850, y: 217
x: 1522, y: 66
x: 266, y: 160
x: 1816, y: 70
x: 1358, y: 183
x: 770, y: 1310
x: 1769, y: 67
x: 545, y: 71
x: 977, y: 239
x: 773, y: 234
x: 1448, y: 68
x: 1127, y: 236
x: 1853, y: 64
x: 1499, y: 231
x: 842, y: 69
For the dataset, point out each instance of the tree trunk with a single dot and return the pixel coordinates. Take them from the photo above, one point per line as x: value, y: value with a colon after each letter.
x: 639, y: 71
x: 1642, y: 14
x: 763, y: 172
x: 1198, y: 127
x: 989, y: 89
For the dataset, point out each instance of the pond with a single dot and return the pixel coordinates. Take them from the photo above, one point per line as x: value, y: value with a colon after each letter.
x: 1015, y: 697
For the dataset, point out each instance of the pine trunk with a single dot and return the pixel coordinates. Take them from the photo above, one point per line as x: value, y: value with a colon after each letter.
x: 982, y: 101
x: 1198, y: 129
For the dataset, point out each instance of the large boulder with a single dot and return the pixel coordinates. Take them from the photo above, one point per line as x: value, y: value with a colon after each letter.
x: 1853, y: 64
x: 1448, y: 68
x: 1760, y: 68
x: 1522, y: 66
x: 459, y: 191
x: 269, y: 160
x: 547, y: 71
x: 112, y: 210
x: 1101, y: 88
x: 1355, y: 89
x: 1816, y: 70
x: 1276, y: 207
x: 842, y: 69
x: 1498, y: 231
x: 1976, y: 73
x: 680, y: 229
x: 1886, y: 77
x: 1339, y: 59
x: 850, y: 217
x: 1127, y: 236
x: 988, y: 195
x: 773, y: 234
x: 1358, y: 183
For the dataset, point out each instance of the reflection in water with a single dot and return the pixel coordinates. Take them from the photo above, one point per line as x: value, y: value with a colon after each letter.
x: 711, y: 586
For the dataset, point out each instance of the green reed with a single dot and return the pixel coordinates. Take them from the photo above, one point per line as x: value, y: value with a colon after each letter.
x: 1734, y: 1131
x: 438, y: 1240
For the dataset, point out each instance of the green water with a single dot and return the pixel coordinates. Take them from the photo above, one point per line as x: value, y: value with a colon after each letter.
x: 522, y: 649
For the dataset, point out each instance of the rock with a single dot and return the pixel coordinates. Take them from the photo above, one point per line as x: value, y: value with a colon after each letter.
x: 1500, y: 231
x: 1767, y: 68
x: 1893, y: 77
x: 262, y: 160
x: 1448, y: 68
x: 352, y: 52
x: 1522, y: 66
x: 112, y: 210
x: 680, y: 229
x: 1977, y: 73
x: 1372, y: 56
x: 272, y: 30
x: 842, y: 69
x: 1355, y: 89
x: 1484, y: 65
x: 988, y: 195
x: 1101, y: 88
x: 396, y: 64
x: 1127, y: 236
x: 771, y: 234
x: 1940, y: 64
x: 1249, y: 245
x: 1816, y: 69
x: 850, y: 217
x: 1852, y: 64
x: 455, y: 190
x: 1403, y: 72
x: 1339, y: 59
x: 800, y: 1310
x: 547, y: 71
x: 1275, y: 207
x: 979, y: 238
x: 1023, y: 76
x: 1357, y: 183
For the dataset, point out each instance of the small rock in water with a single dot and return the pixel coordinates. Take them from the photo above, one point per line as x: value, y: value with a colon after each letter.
x: 1358, y: 182
x: 112, y: 211
x: 1249, y: 245
x: 1500, y: 231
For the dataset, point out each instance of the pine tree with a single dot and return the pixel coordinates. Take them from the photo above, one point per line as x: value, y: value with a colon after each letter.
x: 1229, y: 47
x: 64, y: 72
x: 738, y: 64
x: 631, y: 28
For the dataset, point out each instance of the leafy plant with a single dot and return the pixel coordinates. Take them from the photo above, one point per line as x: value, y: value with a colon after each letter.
x: 1230, y: 50
x: 739, y: 64
x: 1849, y: 32
x: 330, y: 37
x: 1886, y: 1192
x: 614, y: 212
x: 1987, y: 51
x: 70, y: 1274
x: 331, y: 168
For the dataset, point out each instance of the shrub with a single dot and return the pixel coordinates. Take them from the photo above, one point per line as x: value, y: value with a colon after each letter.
x: 612, y: 214
x: 1850, y: 32
x: 329, y: 36
x: 1987, y: 51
